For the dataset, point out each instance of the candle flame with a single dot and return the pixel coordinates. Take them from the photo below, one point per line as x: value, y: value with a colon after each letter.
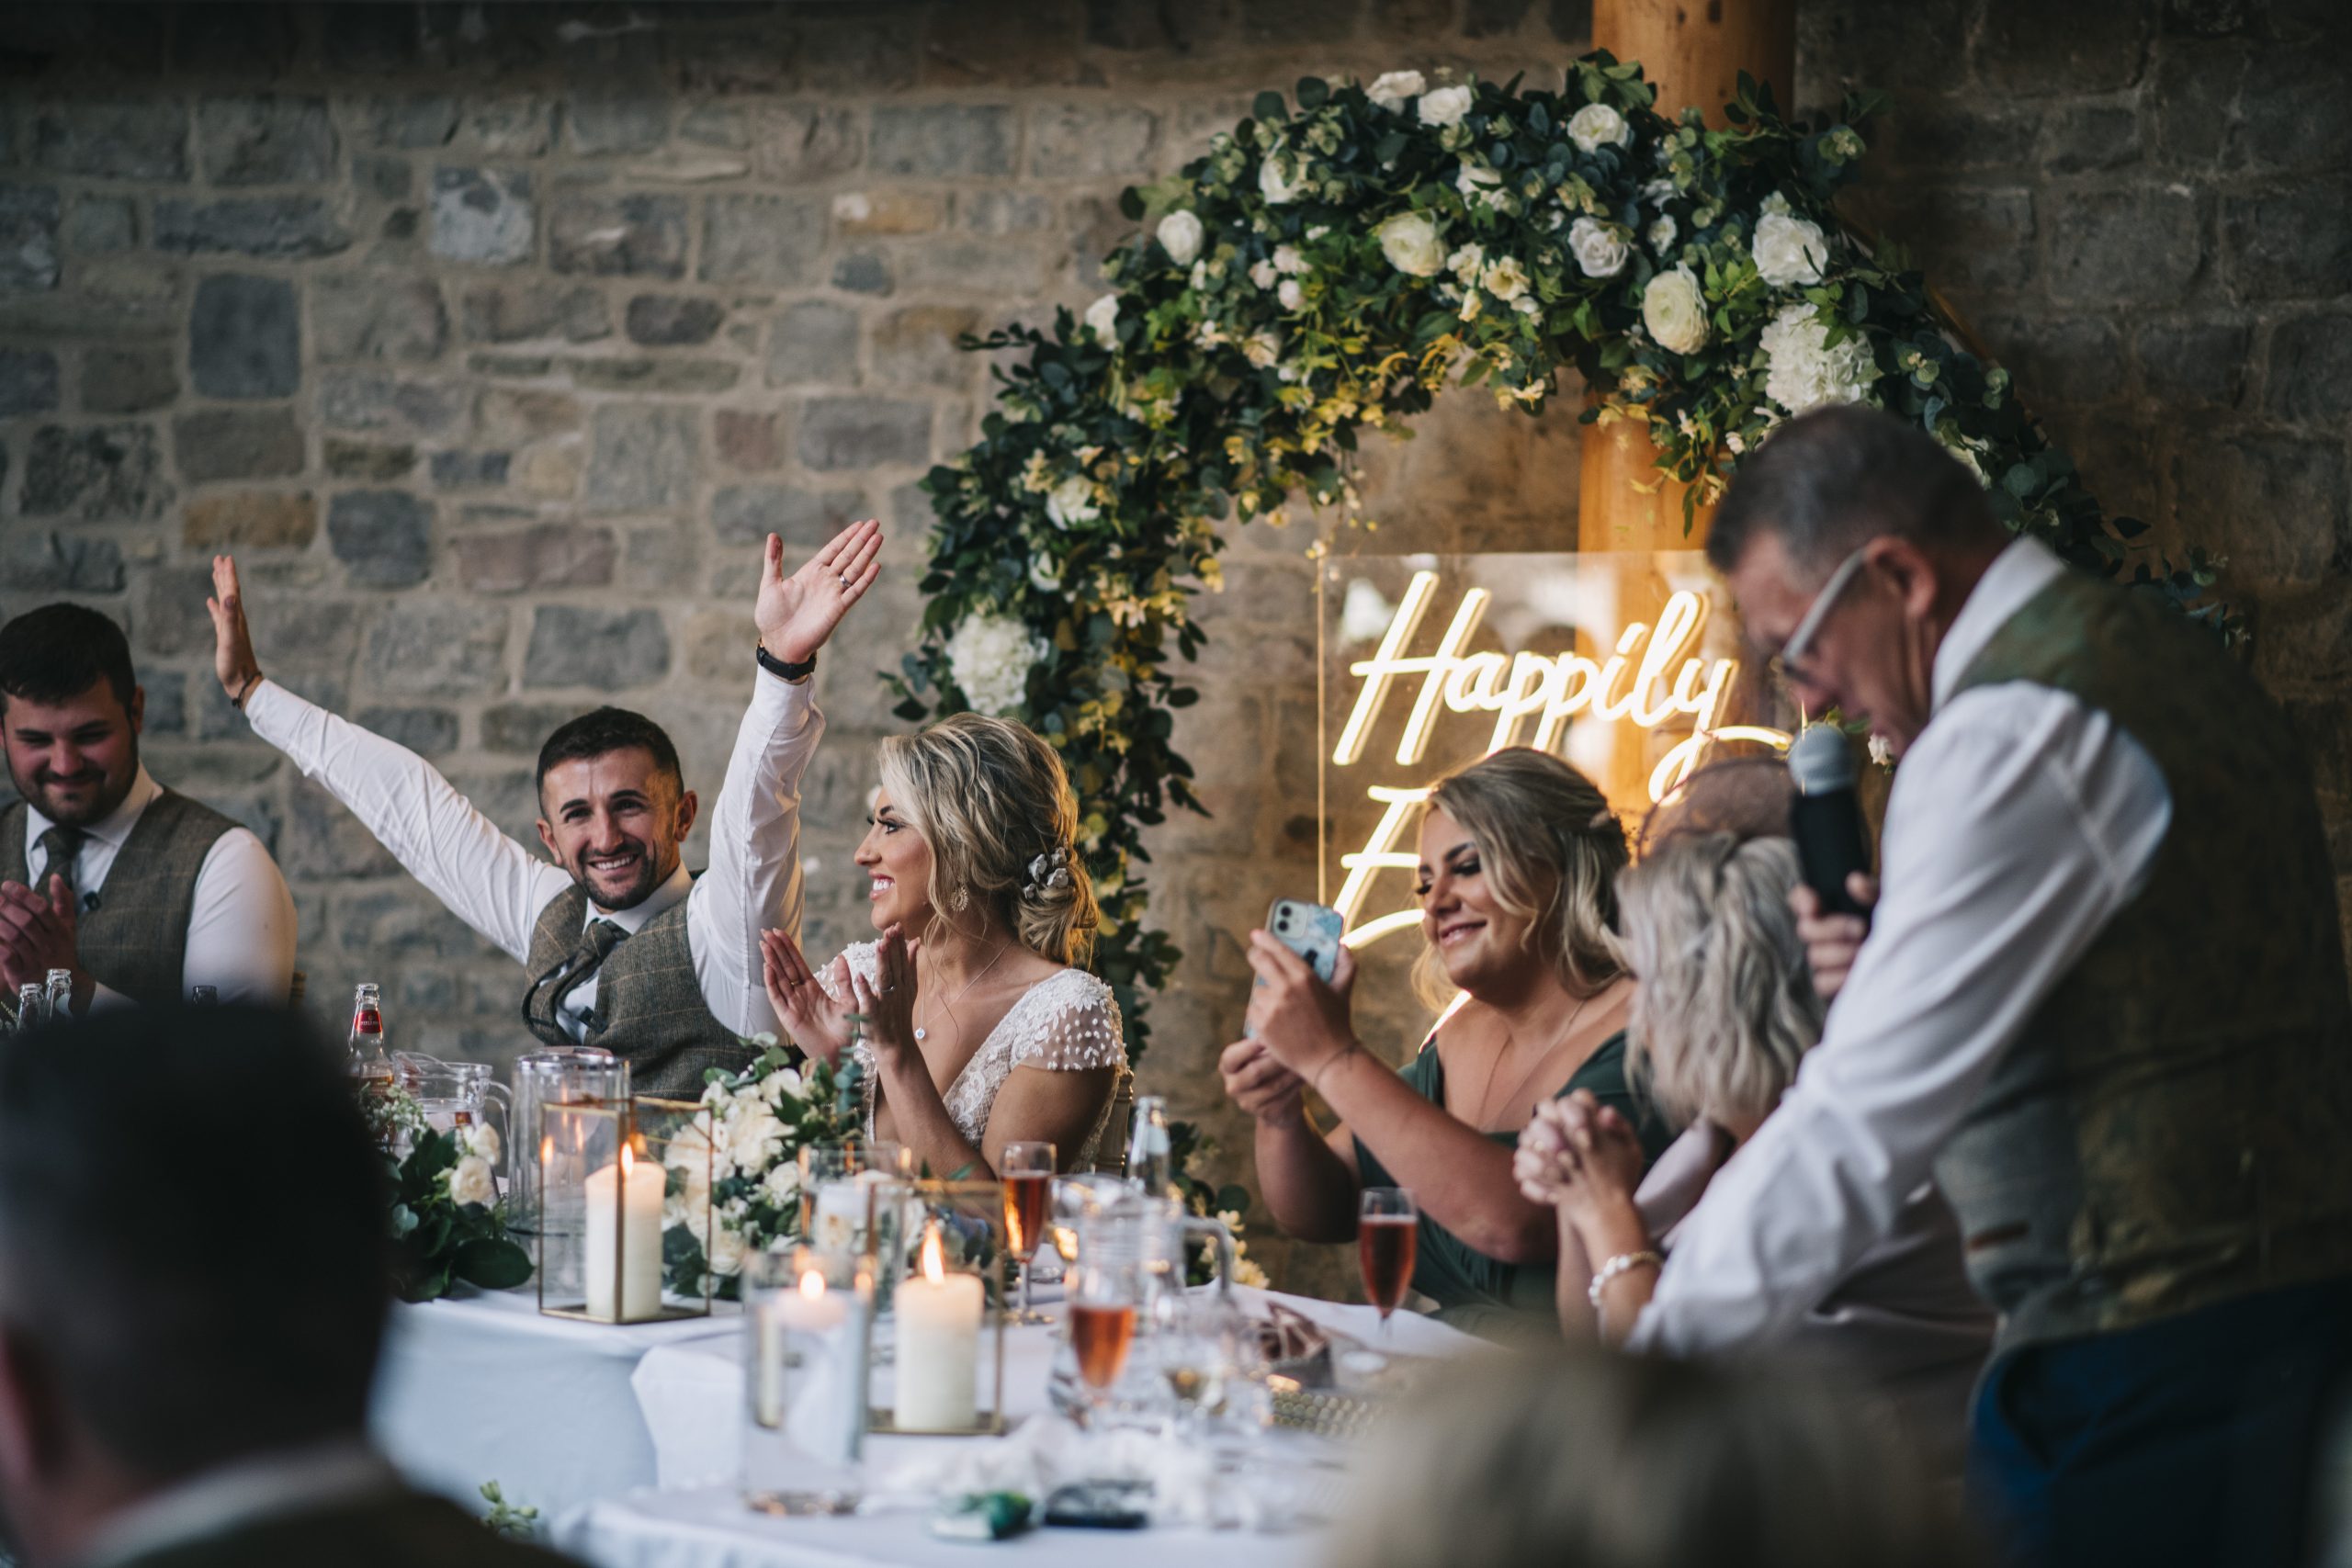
x: 626, y: 1162
x: 935, y: 1259
x: 547, y: 1150
x: 812, y: 1284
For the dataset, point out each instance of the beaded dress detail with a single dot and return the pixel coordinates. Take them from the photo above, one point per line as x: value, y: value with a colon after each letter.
x: 1067, y: 1023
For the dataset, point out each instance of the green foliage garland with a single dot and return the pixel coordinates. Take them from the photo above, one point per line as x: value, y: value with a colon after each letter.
x: 1329, y: 267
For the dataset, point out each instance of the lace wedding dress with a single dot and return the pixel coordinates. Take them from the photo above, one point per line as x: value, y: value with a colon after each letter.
x: 1067, y: 1023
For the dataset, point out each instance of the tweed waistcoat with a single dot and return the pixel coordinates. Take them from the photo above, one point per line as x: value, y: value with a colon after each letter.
x: 2173, y: 1126
x: 135, y: 941
x: 650, y: 1008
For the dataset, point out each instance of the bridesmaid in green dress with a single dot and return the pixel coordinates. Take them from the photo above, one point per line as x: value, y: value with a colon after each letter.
x: 1519, y: 859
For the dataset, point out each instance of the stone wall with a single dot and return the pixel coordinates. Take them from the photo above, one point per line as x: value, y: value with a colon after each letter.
x: 493, y: 340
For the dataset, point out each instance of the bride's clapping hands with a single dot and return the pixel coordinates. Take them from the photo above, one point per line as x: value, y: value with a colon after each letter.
x: 817, y: 1021
x: 889, y: 1009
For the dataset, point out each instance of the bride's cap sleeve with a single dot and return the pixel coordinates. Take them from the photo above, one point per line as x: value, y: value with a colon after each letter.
x: 1077, y: 1027
x: 864, y: 960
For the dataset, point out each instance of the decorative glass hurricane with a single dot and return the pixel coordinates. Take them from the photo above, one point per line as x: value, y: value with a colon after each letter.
x: 617, y: 1178
x: 948, y: 1376
x: 808, y: 1318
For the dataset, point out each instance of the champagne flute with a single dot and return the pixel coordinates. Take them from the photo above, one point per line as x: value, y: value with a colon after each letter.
x: 1102, y: 1303
x: 1026, y: 1172
x: 1387, y: 1242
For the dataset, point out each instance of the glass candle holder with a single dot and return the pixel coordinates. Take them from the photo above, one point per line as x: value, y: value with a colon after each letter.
x: 947, y: 1377
x: 617, y: 1177
x: 808, y: 1320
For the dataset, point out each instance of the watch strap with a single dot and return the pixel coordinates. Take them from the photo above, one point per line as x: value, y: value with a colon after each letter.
x: 779, y: 669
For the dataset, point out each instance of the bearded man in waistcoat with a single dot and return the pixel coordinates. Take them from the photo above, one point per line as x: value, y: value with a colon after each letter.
x: 141, y: 893
x: 2101, y: 1002
x: 622, y: 946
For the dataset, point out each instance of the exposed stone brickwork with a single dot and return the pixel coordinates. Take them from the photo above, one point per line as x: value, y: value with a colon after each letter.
x: 495, y: 338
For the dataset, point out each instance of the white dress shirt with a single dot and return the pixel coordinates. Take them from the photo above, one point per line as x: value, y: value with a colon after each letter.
x: 241, y: 928
x: 2020, y: 822
x: 499, y: 887
x: 241, y: 1494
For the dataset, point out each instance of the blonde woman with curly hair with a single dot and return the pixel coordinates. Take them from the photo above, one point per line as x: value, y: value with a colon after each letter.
x: 1519, y: 857
x: 1723, y: 1012
x: 983, y: 1027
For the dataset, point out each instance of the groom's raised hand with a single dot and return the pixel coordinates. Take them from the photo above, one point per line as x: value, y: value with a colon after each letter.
x: 796, y: 614
x: 232, y: 640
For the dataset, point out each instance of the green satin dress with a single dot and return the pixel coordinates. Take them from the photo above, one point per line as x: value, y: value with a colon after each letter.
x: 1477, y: 1293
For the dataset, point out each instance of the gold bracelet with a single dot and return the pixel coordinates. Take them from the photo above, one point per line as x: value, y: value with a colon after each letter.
x: 1315, y: 1083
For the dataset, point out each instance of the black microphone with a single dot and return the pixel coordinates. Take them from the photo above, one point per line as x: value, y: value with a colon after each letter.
x: 1826, y: 819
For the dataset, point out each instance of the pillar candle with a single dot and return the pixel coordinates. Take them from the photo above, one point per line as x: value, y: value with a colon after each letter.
x: 939, y: 1345
x: 633, y: 1250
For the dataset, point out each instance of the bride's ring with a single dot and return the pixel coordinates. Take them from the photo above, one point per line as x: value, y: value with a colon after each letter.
x: 842, y: 578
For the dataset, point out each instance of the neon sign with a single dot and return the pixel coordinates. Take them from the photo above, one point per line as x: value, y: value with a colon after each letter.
x: 1650, y: 679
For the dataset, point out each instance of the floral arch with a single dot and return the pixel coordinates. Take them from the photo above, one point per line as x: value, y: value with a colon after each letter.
x: 1329, y: 267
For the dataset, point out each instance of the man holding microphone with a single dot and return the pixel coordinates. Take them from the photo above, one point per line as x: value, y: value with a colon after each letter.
x: 2101, y: 1002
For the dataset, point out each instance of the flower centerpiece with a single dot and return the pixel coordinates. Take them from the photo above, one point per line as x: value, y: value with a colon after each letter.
x: 755, y: 1122
x: 446, y: 1221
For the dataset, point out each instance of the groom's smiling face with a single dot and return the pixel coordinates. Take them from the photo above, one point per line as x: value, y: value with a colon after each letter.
x: 615, y: 821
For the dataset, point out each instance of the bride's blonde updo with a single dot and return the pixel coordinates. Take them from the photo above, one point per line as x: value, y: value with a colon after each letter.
x: 991, y: 801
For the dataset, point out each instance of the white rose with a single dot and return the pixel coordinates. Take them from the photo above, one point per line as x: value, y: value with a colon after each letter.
x: 1789, y: 251
x: 1043, y: 576
x: 1072, y: 501
x: 1288, y: 262
x: 1597, y: 125
x: 1199, y: 275
x: 1466, y: 262
x: 1445, y: 107
x: 1262, y: 349
x: 1802, y: 371
x: 1103, y: 317
x: 1658, y: 193
x: 1276, y: 185
x: 989, y: 658
x: 1527, y: 305
x: 727, y: 1252
x: 1660, y: 235
x: 1391, y: 88
x: 1180, y: 235
x: 753, y: 1138
x: 1675, y: 311
x: 1478, y: 183
x: 1505, y: 279
x: 782, y: 1183
x: 1291, y: 295
x: 1262, y: 274
x: 481, y: 1138
x: 470, y: 1183
x: 1409, y: 241
x: 1601, y: 251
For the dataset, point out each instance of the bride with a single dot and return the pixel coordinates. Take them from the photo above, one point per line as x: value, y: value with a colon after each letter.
x: 980, y: 1029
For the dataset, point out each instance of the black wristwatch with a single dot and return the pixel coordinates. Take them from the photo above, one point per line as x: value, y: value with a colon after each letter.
x: 779, y: 669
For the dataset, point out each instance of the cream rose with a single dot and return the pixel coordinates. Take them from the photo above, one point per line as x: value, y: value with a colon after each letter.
x: 1180, y: 235
x: 1262, y: 349
x: 1447, y: 106
x: 727, y: 1251
x: 1802, y: 371
x: 1288, y: 262
x: 1790, y: 252
x: 1660, y: 235
x: 1291, y: 295
x: 1275, y: 184
x: 1262, y: 274
x: 1598, y: 125
x: 1676, y: 311
x: 1391, y: 88
x: 480, y: 1138
x: 753, y: 1137
x: 1103, y: 317
x: 1409, y: 241
x: 470, y: 1183
x: 1072, y: 501
x: 1601, y: 251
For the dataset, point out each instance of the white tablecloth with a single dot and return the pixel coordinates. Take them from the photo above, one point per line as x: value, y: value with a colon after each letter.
x: 691, y: 1394
x: 483, y: 1388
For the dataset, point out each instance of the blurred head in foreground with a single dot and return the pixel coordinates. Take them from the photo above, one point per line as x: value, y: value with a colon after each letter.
x: 191, y: 1264
x: 1618, y: 1461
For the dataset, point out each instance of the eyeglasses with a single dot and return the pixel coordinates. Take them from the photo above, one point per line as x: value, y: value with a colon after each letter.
x: 1791, y: 659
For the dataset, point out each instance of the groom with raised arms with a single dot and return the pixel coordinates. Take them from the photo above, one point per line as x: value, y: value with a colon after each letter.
x: 622, y: 946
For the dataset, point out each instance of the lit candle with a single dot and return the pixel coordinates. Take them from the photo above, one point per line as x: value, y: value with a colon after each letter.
x: 840, y: 1220
x: 625, y: 1239
x: 939, y: 1345
x: 811, y: 1309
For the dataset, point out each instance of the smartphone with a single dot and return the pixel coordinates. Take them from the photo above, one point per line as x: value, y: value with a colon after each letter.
x: 1311, y: 931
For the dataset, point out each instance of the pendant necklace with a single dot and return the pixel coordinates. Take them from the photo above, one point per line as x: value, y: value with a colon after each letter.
x: 922, y: 1032
x: 1486, y: 1110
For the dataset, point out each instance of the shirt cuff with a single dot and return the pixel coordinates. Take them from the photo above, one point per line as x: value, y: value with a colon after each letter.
x: 102, y: 1000
x: 784, y: 704
x: 271, y: 709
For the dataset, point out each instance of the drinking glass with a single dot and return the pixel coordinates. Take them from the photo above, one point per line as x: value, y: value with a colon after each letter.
x: 1388, y: 1240
x: 1026, y: 1172
x: 1104, y: 1291
x: 1192, y: 1345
